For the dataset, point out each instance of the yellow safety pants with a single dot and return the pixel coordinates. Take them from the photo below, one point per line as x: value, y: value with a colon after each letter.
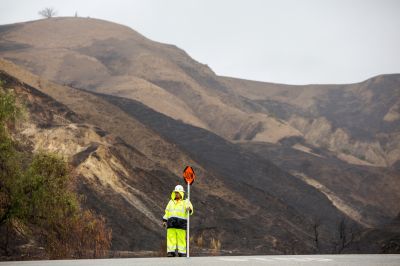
x: 176, y: 239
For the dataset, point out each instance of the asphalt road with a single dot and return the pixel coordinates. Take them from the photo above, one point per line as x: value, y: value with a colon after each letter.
x: 328, y: 260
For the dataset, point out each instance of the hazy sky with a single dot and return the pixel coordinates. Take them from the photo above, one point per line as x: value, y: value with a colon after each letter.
x: 285, y: 41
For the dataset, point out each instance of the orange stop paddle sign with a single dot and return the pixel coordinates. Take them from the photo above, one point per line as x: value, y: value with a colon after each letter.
x: 188, y: 175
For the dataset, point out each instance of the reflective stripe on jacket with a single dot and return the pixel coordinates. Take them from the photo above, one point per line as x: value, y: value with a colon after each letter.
x: 175, y: 212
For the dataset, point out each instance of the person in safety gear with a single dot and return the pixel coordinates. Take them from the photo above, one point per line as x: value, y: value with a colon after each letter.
x: 175, y: 219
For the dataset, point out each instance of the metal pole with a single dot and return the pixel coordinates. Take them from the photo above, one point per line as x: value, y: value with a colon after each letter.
x: 188, y: 226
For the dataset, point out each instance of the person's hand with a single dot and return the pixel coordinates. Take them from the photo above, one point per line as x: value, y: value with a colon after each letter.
x: 164, y: 224
x: 188, y: 209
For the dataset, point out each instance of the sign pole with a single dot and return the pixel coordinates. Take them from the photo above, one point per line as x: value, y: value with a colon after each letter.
x: 188, y: 225
x: 189, y: 177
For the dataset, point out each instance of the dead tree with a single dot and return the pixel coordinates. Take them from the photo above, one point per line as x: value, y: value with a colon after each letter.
x: 315, y: 226
x: 345, y: 236
x: 47, y: 12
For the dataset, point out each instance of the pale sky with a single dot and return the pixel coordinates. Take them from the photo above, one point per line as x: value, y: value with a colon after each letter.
x: 283, y: 41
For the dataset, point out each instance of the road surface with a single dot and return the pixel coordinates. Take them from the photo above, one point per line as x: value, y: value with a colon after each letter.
x: 309, y: 260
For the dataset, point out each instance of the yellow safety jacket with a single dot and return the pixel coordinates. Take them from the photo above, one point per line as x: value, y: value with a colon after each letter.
x: 175, y: 212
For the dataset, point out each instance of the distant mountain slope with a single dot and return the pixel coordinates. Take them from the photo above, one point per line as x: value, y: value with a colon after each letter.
x: 113, y: 59
x: 360, y: 122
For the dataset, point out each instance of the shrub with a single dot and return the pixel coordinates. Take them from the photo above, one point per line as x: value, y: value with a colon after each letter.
x: 36, y: 191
